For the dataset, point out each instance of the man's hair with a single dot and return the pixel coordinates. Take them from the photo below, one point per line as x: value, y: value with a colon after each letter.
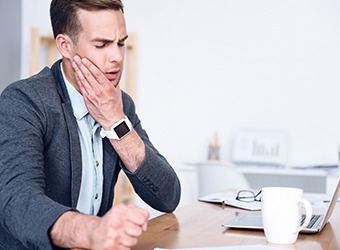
x: 64, y: 14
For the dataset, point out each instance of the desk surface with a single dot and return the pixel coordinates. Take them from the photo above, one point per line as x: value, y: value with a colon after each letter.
x: 199, y: 225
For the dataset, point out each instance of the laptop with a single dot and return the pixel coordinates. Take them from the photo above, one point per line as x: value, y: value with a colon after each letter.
x: 253, y: 220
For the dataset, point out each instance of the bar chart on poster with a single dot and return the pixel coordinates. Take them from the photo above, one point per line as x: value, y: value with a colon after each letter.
x: 266, y: 148
x: 260, y: 147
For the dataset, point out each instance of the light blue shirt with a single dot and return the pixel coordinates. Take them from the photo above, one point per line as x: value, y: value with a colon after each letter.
x: 91, y: 144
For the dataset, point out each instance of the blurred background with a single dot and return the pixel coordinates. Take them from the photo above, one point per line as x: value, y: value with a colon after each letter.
x: 217, y: 67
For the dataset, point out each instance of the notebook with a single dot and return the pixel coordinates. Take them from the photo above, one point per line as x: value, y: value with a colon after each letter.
x: 253, y: 220
x: 229, y: 199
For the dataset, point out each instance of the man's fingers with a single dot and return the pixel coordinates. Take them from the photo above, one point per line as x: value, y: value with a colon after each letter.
x: 83, y: 74
x: 89, y: 71
x: 87, y: 83
x: 133, y: 214
x: 139, y: 215
x: 134, y: 219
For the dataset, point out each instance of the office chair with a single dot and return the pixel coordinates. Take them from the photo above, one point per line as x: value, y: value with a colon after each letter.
x: 214, y: 177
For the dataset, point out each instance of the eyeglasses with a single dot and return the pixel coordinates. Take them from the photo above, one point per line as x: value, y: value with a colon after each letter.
x: 248, y: 196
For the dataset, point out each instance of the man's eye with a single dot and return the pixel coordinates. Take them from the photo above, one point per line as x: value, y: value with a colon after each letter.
x: 100, y: 46
x: 121, y: 44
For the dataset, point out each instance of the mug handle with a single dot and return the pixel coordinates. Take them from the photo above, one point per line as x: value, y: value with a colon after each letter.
x: 308, y: 208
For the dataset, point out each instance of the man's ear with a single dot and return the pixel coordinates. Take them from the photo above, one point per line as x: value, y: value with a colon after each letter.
x: 65, y: 46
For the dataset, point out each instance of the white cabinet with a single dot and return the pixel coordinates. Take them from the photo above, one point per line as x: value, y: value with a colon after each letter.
x: 310, y: 180
x: 314, y: 181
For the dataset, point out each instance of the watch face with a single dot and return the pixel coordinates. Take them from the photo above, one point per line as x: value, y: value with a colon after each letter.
x: 122, y: 129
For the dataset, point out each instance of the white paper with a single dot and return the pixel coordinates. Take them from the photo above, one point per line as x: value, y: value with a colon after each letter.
x: 229, y: 198
x: 249, y: 247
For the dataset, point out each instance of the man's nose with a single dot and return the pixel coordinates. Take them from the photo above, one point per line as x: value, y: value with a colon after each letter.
x: 116, y: 53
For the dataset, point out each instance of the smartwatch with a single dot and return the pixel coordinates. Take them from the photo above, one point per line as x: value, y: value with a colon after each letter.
x: 118, y: 130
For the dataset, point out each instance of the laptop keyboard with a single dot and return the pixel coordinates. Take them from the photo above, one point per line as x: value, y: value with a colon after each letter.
x: 312, y: 221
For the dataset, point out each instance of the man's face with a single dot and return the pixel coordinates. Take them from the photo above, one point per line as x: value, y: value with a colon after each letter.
x: 102, y: 41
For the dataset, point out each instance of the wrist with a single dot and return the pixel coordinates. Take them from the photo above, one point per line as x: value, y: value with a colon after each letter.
x: 74, y: 230
x: 110, y: 123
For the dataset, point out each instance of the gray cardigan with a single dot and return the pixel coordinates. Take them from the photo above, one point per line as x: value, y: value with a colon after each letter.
x: 40, y: 162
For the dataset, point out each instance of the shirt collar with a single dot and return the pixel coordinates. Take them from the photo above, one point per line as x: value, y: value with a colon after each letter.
x: 77, y: 100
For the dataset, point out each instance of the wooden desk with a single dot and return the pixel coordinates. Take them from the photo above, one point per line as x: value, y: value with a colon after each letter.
x: 199, y: 225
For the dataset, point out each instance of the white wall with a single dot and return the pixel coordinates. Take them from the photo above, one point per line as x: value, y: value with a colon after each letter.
x: 221, y: 65
x: 218, y: 65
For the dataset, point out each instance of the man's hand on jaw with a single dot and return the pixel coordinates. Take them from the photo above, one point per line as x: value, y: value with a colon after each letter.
x: 102, y: 98
x: 104, y: 103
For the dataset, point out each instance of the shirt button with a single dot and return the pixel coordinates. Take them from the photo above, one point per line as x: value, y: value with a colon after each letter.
x: 96, y: 197
x: 97, y: 163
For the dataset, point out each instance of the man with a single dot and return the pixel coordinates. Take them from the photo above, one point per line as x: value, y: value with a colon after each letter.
x: 65, y: 134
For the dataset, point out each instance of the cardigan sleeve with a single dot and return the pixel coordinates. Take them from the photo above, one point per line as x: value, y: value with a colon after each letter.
x: 26, y: 212
x: 155, y: 181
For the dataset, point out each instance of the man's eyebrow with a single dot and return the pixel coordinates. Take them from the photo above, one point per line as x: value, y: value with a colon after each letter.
x: 124, y: 38
x: 104, y: 40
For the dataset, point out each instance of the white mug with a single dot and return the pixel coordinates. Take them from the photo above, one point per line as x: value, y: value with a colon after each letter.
x: 282, y: 214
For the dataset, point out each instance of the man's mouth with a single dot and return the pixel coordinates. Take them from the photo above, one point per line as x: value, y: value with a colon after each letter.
x: 112, y: 75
